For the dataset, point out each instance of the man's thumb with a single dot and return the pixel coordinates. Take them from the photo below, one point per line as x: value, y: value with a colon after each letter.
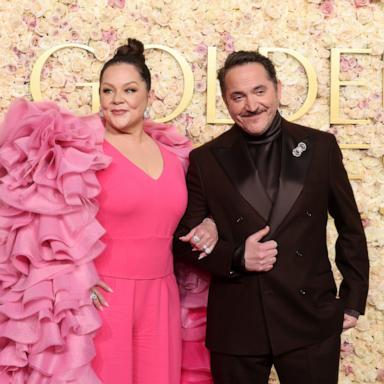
x: 260, y: 234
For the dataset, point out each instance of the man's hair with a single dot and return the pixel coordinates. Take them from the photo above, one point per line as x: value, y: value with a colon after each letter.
x: 246, y: 57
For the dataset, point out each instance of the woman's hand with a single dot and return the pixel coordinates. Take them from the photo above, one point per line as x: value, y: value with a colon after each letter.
x: 203, y: 237
x: 96, y: 296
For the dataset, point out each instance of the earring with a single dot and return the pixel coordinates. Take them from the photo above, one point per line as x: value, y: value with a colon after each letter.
x: 146, y: 113
x: 101, y: 114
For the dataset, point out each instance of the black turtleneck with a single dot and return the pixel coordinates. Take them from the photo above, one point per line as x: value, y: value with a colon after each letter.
x: 265, y: 151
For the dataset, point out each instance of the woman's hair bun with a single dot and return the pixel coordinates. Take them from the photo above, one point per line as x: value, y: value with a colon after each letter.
x: 132, y: 48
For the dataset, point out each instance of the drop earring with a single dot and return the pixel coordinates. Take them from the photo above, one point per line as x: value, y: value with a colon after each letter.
x: 146, y: 113
x: 101, y: 114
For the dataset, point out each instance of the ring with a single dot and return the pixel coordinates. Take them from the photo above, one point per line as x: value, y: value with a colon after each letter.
x: 93, y: 296
x: 208, y: 250
x: 196, y: 239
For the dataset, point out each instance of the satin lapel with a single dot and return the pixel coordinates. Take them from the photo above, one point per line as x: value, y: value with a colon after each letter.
x: 234, y: 158
x: 292, y: 176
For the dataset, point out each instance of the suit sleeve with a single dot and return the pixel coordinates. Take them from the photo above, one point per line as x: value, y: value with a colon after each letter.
x: 351, y: 247
x: 219, y: 261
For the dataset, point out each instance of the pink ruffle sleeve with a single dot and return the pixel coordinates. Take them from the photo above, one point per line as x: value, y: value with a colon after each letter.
x: 48, y: 238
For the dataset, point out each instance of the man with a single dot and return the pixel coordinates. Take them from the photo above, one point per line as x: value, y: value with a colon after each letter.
x: 269, y: 186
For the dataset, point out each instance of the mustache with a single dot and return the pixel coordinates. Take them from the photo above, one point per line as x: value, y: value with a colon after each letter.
x: 255, y: 112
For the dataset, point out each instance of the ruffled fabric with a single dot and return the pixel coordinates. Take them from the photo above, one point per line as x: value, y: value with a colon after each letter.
x: 193, y: 285
x: 48, y: 239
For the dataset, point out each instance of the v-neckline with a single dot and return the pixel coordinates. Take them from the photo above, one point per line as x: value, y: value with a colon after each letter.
x: 141, y: 170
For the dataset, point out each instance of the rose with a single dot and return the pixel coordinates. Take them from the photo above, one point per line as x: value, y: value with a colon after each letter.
x: 109, y: 36
x: 158, y: 107
x: 380, y: 375
x: 116, y: 3
x: 58, y: 78
x: 327, y: 8
x: 101, y: 50
x: 361, y: 3
x: 365, y: 16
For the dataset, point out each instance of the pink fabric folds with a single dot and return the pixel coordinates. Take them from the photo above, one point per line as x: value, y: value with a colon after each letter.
x: 193, y: 285
x: 48, y: 239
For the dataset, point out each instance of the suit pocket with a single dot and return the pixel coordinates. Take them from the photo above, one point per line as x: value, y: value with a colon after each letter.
x: 324, y: 289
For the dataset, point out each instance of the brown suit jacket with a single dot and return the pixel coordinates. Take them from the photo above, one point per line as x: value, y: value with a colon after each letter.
x: 296, y: 303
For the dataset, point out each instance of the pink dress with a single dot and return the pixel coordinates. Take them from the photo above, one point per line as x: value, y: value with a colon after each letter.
x: 140, y: 340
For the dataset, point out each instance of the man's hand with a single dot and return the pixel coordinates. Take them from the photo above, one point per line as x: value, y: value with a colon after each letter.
x: 349, y: 322
x: 258, y: 256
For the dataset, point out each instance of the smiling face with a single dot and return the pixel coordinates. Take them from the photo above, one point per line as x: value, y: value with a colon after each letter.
x: 252, y: 98
x: 123, y: 97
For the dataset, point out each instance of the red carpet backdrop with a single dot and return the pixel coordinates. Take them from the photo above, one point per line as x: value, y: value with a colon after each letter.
x: 329, y: 56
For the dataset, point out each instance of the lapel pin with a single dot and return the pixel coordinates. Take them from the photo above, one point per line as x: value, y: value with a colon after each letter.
x: 298, y: 151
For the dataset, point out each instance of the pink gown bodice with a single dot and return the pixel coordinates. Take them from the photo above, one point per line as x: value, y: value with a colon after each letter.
x: 140, y: 215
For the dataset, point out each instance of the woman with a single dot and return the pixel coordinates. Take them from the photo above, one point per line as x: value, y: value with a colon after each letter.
x: 50, y: 235
x: 140, y: 338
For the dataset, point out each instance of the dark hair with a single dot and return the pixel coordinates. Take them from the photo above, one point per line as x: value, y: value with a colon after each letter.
x: 131, y: 53
x: 246, y: 57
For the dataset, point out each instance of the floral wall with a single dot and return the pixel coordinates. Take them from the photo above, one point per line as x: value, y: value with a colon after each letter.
x: 312, y: 28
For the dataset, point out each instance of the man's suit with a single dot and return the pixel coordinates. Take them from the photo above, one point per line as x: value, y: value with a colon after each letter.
x: 296, y: 304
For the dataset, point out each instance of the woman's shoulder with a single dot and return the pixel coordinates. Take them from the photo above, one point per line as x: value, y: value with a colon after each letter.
x: 168, y: 137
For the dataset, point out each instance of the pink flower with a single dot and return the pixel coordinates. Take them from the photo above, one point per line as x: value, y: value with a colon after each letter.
x: 229, y: 45
x: 201, y: 86
x: 363, y: 104
x: 30, y: 21
x: 380, y: 375
x: 116, y: 3
x: 327, y: 8
x: 361, y: 3
x: 346, y: 348
x: 201, y: 49
x: 379, y: 117
x: 109, y: 36
x: 11, y: 68
x: 348, y: 369
x: 344, y: 64
x: 75, y: 35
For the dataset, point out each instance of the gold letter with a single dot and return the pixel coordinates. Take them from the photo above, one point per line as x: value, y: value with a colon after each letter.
x: 336, y: 83
x: 211, y: 89
x: 311, y: 76
x: 188, y: 81
x: 37, y: 68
